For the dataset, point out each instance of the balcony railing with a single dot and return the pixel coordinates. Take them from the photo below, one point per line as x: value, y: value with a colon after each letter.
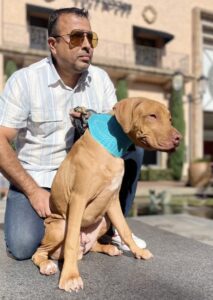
x: 135, y: 56
x: 29, y: 37
x: 38, y: 38
x: 111, y: 53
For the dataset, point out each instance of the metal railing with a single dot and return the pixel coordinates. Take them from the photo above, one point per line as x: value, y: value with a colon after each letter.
x: 29, y: 37
x: 108, y: 52
x: 38, y: 38
x: 135, y: 56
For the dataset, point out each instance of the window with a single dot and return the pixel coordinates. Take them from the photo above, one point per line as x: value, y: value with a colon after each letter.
x: 37, y: 18
x: 149, y: 46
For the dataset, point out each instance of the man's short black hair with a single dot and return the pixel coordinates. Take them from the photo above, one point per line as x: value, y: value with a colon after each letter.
x: 53, y: 18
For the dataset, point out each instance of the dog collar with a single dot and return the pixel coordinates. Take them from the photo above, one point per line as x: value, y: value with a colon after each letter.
x: 105, y: 129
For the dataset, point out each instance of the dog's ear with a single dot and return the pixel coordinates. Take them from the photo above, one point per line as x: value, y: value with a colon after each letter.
x: 123, y: 111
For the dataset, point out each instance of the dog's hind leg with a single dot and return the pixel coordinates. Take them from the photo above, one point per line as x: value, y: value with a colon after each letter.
x: 53, y: 239
x: 96, y: 231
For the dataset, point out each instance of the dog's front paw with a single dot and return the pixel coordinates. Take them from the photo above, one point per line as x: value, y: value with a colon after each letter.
x: 142, y: 253
x: 73, y: 284
x: 48, y: 267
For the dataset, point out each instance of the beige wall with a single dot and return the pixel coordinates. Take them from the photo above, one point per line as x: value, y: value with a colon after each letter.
x: 173, y: 16
x: 147, y: 90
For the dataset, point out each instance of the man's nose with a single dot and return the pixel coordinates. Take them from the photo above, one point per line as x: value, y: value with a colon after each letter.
x: 86, y: 43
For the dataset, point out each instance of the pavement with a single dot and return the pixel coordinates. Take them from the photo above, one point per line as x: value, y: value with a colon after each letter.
x: 196, y: 228
x: 182, y: 267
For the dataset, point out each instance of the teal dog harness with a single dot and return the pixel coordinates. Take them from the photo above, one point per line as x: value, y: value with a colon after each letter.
x: 105, y: 129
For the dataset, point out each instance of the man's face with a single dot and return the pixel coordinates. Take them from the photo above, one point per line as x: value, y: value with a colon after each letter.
x: 71, y: 59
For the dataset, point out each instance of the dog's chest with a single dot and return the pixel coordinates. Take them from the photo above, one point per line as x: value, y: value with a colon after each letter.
x: 115, y: 181
x: 104, y: 193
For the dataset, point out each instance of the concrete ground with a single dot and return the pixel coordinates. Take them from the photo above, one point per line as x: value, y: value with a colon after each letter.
x: 195, y: 228
x: 182, y: 267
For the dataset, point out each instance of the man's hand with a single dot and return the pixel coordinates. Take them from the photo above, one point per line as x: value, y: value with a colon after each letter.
x: 15, y: 173
x: 39, y: 200
x: 79, y: 118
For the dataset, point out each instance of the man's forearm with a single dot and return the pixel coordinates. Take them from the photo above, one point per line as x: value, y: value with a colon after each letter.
x: 12, y: 169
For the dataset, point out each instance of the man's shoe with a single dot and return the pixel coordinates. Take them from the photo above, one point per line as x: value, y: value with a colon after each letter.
x: 116, y: 240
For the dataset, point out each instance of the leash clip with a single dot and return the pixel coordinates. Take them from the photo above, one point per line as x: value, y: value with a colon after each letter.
x: 81, y: 123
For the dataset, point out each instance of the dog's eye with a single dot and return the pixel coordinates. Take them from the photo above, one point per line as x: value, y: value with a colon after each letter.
x: 153, y: 116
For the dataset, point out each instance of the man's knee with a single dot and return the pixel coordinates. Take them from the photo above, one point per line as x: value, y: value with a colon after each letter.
x: 23, y: 228
x: 22, y: 249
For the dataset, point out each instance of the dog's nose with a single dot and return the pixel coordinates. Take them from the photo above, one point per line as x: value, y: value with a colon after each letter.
x: 177, y: 138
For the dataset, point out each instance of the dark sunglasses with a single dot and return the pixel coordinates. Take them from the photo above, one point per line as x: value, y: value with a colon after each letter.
x: 77, y: 38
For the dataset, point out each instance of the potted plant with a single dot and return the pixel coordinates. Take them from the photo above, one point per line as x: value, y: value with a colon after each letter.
x: 200, y: 172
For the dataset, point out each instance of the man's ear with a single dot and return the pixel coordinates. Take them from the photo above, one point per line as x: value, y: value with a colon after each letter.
x: 51, y: 42
x: 123, y: 111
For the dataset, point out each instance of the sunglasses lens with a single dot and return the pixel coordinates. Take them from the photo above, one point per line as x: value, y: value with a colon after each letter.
x: 77, y: 38
x: 94, y: 40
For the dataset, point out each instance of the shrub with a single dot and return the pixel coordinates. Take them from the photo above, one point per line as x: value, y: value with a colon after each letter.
x: 122, y: 89
x: 10, y: 68
x: 176, y: 159
x: 156, y: 174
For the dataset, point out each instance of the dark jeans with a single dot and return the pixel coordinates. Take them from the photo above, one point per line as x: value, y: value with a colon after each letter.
x: 132, y: 161
x: 24, y: 229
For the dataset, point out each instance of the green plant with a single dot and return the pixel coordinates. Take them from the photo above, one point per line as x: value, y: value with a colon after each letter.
x: 176, y: 159
x: 13, y: 145
x: 156, y: 174
x: 122, y: 89
x: 202, y: 159
x: 10, y: 68
x: 196, y: 202
x: 209, y: 202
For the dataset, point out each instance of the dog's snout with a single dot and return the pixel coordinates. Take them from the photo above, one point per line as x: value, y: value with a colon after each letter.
x: 177, y: 138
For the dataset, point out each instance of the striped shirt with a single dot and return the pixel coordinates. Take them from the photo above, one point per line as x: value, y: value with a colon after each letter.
x: 37, y: 102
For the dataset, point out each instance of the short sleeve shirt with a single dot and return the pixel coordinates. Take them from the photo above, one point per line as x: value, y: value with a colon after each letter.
x: 37, y: 102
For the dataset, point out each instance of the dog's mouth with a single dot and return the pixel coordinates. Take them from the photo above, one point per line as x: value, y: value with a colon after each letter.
x: 164, y: 146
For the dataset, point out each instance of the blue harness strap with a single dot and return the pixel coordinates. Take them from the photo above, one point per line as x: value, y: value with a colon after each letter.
x: 105, y: 129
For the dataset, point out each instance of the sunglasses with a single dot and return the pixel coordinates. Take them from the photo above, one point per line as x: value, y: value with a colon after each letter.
x: 77, y: 38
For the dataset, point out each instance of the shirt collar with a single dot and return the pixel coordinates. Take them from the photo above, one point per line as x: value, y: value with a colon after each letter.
x: 53, y: 76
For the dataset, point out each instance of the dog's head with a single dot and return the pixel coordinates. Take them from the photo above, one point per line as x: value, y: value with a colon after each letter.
x: 147, y: 123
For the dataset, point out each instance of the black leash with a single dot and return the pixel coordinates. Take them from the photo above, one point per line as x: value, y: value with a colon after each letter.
x: 81, y: 123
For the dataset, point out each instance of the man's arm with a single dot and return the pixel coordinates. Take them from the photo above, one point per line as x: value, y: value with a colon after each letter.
x: 15, y: 173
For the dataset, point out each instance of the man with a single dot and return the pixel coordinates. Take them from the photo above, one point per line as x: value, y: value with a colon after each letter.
x: 34, y: 111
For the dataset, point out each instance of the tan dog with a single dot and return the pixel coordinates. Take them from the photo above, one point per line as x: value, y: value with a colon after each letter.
x: 85, y: 191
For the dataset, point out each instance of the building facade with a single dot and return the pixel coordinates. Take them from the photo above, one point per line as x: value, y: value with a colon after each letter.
x: 143, y: 42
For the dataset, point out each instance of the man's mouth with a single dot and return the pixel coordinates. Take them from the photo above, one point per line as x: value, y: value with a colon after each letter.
x: 85, y: 58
